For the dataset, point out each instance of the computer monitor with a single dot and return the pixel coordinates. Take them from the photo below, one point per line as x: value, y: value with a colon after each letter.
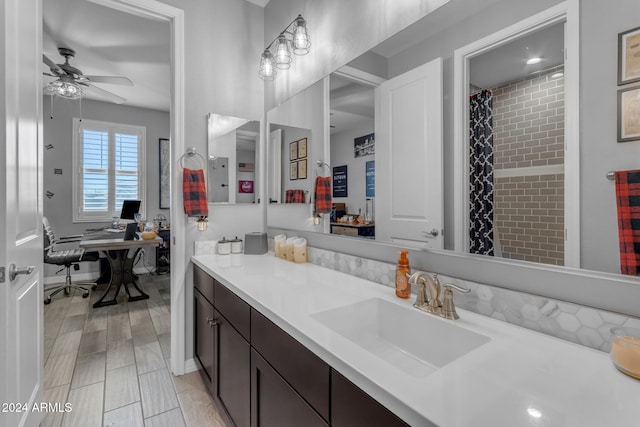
x: 129, y: 208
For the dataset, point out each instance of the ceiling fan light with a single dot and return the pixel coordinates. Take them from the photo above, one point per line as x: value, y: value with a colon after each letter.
x: 267, y: 69
x: 283, y: 53
x: 300, y: 42
x: 65, y: 90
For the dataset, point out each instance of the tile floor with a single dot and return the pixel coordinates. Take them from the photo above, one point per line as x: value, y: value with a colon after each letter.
x: 112, y: 364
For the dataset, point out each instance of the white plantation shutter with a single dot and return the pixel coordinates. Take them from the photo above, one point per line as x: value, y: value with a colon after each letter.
x: 109, y: 159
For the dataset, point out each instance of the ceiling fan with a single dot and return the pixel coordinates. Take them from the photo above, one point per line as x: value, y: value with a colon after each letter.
x: 72, y: 84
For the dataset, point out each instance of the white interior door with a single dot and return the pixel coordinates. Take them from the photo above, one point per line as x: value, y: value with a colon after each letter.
x: 409, y: 158
x: 21, y: 305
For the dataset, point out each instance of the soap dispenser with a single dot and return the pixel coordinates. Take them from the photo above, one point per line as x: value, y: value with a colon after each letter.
x: 403, y: 288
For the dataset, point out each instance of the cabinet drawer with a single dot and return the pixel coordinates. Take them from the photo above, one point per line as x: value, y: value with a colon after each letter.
x: 236, y: 311
x: 352, y: 407
x: 203, y: 282
x: 305, y: 371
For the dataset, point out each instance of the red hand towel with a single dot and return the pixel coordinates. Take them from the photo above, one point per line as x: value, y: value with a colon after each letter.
x: 294, y: 196
x: 322, y: 194
x: 628, y: 201
x: 194, y: 192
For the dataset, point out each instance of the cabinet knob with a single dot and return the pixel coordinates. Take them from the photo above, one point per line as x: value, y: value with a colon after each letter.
x: 212, y: 322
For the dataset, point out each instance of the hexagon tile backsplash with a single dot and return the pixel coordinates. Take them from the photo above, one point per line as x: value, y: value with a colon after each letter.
x: 579, y: 324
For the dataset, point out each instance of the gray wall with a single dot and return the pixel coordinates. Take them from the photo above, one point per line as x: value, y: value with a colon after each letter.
x: 59, y: 132
x: 601, y: 21
x: 342, y: 154
x: 233, y: 30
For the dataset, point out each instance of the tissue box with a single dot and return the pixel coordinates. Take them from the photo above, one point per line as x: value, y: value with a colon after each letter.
x: 255, y: 243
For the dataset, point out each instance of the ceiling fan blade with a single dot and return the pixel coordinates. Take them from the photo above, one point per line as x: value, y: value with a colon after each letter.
x: 111, y: 80
x: 105, y: 94
x: 55, y: 68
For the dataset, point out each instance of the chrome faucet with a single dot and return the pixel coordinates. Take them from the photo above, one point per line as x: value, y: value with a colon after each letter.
x: 433, y: 305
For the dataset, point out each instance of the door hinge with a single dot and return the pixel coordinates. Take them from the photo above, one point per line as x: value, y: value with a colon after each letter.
x: 1, y: 274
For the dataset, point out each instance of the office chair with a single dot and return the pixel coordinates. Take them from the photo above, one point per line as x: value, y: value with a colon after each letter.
x: 67, y: 258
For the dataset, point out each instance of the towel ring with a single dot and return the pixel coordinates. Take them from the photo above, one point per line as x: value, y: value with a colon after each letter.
x: 191, y: 152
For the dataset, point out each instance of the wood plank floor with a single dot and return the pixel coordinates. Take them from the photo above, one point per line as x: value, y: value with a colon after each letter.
x: 112, y: 364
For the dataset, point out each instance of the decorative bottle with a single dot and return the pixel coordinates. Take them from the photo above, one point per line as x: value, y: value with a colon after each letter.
x: 403, y: 288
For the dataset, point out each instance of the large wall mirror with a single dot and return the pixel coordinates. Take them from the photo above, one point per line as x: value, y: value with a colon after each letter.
x: 509, y: 188
x: 232, y: 173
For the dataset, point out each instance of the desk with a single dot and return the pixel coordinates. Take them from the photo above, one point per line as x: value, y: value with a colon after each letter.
x: 117, y: 252
x: 362, y: 230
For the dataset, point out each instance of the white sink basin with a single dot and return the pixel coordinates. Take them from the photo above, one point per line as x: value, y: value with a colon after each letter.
x: 413, y: 341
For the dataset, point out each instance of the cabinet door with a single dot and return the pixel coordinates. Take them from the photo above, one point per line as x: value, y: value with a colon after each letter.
x: 233, y: 359
x: 204, y: 335
x: 274, y: 403
x: 352, y: 407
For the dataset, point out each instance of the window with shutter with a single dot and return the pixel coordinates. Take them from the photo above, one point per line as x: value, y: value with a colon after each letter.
x: 109, y: 159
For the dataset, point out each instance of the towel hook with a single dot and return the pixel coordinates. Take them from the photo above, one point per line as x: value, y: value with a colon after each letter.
x: 191, y: 152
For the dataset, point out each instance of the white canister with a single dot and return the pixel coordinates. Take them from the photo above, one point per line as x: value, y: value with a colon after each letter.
x: 300, y: 250
x: 288, y: 248
x: 278, y: 244
x: 236, y: 246
x: 224, y: 246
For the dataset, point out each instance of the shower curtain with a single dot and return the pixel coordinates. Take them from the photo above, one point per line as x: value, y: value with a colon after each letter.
x: 481, y: 209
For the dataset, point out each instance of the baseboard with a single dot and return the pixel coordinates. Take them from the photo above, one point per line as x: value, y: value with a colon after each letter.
x: 59, y: 280
x: 190, y: 366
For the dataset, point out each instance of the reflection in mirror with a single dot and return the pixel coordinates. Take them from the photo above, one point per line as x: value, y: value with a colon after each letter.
x: 516, y: 146
x: 289, y: 162
x: 352, y: 139
x: 232, y: 176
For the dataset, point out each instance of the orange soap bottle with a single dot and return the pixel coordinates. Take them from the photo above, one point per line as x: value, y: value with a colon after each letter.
x: 403, y: 288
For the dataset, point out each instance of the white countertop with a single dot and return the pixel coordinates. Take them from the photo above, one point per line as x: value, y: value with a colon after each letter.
x: 519, y: 378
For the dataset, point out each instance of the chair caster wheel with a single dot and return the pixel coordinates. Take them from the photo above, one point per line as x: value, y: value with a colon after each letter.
x: 47, y: 300
x: 86, y: 294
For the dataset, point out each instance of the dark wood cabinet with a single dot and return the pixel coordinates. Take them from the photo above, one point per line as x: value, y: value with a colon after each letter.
x: 352, y: 407
x: 260, y: 376
x: 303, y: 370
x: 233, y: 368
x: 204, y: 336
x: 274, y: 403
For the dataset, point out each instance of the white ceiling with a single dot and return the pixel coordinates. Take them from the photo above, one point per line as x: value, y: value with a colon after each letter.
x: 111, y: 43
x: 261, y: 3
x: 507, y: 63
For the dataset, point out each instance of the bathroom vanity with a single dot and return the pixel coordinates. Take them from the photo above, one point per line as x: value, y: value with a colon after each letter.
x: 290, y: 344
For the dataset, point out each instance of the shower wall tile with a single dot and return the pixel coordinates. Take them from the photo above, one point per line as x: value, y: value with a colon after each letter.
x: 581, y: 325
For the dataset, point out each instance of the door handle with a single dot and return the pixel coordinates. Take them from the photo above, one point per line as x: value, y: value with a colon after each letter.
x: 434, y: 232
x: 14, y: 271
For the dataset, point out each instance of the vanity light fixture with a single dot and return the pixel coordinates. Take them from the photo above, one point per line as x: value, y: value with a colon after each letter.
x: 203, y: 223
x: 532, y: 61
x: 296, y: 40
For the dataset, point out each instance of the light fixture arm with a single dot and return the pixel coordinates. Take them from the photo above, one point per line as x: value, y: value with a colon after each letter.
x: 294, y: 38
x: 285, y: 31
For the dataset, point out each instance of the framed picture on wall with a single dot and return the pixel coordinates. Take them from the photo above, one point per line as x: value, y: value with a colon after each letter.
x: 629, y: 114
x: 302, y: 169
x: 165, y: 176
x: 293, y: 171
x: 302, y: 148
x: 293, y: 150
x: 629, y: 56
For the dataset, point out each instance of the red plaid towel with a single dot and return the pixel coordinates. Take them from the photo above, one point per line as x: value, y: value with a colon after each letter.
x: 194, y: 193
x: 628, y: 200
x: 294, y: 196
x: 322, y: 194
